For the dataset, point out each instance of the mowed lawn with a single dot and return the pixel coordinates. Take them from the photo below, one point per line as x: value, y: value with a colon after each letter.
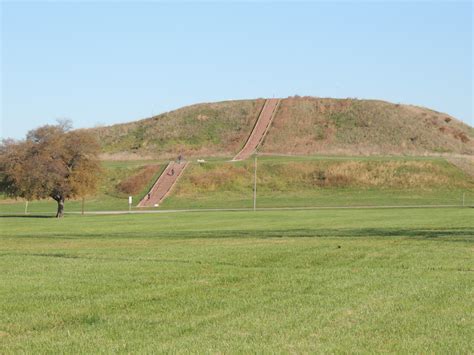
x: 388, y: 280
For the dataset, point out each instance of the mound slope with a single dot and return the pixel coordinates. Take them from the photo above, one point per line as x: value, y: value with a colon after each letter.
x: 209, y: 129
x: 364, y: 127
x: 301, y: 126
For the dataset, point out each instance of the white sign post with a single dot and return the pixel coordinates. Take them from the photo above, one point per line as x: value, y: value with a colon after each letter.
x: 130, y: 203
x: 255, y: 185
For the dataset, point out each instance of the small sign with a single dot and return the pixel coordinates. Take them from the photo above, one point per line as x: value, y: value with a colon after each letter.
x: 129, y: 200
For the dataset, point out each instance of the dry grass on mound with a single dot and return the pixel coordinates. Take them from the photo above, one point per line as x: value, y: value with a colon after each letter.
x: 210, y: 129
x: 215, y: 177
x: 307, y: 125
x: 310, y: 175
x: 302, y: 126
x: 465, y: 163
x: 367, y: 174
x: 137, y: 182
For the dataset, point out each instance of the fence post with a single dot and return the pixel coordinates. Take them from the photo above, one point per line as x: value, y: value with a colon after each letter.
x: 255, y: 185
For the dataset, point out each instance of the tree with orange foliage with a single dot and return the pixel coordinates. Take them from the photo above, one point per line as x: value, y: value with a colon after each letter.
x: 53, y: 161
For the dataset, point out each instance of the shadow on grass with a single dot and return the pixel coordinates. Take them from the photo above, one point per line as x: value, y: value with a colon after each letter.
x: 27, y: 216
x: 55, y: 255
x: 194, y: 263
x: 461, y: 234
x: 451, y: 235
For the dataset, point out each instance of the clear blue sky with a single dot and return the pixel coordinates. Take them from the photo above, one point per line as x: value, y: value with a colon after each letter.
x: 110, y: 62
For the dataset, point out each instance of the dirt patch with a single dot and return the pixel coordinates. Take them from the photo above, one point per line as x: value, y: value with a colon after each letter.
x: 202, y: 117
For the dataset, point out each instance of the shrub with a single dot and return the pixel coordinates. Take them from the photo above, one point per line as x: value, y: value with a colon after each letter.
x: 318, y: 178
x: 463, y: 137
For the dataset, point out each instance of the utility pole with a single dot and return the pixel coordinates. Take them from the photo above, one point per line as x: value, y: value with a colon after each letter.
x: 255, y: 184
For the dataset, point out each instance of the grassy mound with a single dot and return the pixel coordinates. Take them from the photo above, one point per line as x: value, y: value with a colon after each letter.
x: 367, y: 127
x: 217, y: 129
x: 302, y: 126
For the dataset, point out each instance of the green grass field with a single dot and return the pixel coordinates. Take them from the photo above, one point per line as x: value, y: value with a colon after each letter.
x: 382, y: 280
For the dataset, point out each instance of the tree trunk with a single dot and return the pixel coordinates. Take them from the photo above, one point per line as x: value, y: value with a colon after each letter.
x: 60, y: 212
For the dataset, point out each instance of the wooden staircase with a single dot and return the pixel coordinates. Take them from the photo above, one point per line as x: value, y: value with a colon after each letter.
x: 163, y: 185
x: 259, y: 130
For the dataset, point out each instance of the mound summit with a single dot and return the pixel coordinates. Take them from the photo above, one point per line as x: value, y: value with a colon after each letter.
x: 301, y: 126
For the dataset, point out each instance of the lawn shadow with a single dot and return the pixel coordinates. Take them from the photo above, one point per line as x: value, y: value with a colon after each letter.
x: 451, y: 235
x: 26, y: 216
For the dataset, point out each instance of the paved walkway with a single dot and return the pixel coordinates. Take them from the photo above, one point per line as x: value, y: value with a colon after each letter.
x: 260, y: 130
x: 163, y: 185
x: 248, y: 209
